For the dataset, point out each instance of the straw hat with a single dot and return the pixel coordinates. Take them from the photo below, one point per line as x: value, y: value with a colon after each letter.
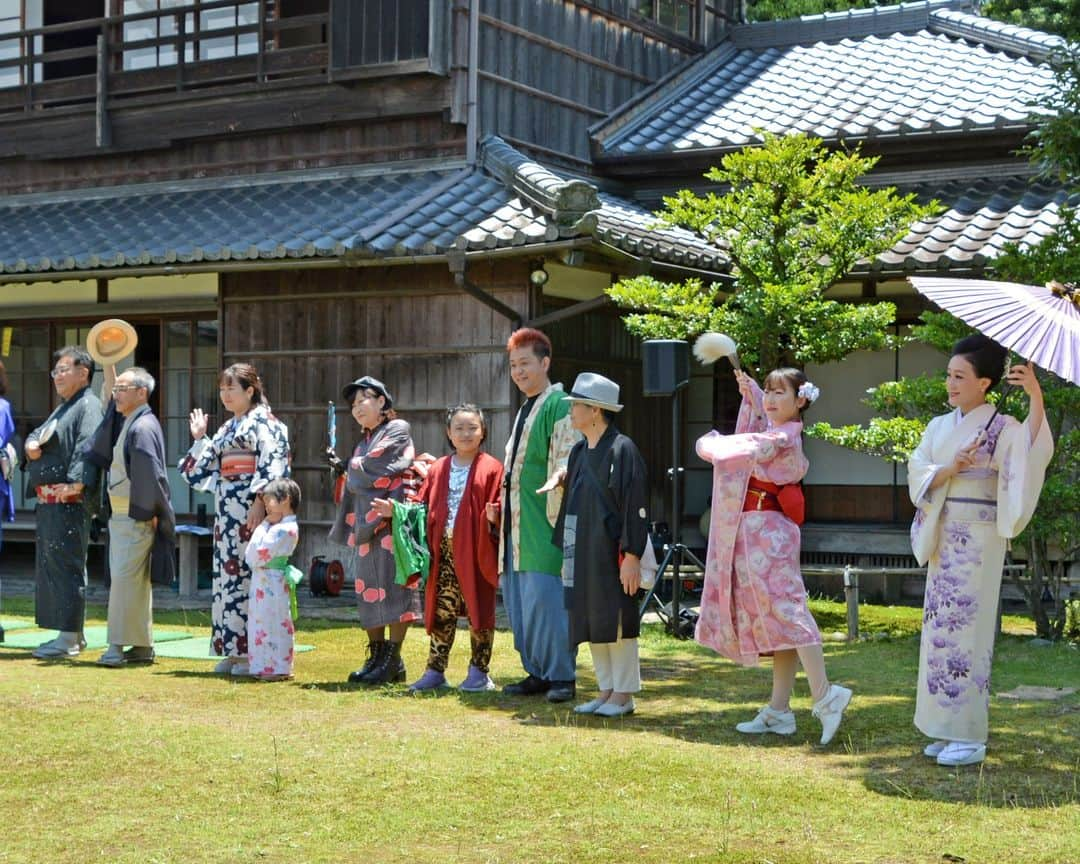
x: 111, y: 340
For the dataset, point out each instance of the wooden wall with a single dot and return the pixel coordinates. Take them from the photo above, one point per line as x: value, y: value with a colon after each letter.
x: 311, y: 332
x: 549, y: 69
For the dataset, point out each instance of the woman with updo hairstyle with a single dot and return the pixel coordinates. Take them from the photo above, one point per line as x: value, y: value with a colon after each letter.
x: 974, y: 479
x: 250, y: 449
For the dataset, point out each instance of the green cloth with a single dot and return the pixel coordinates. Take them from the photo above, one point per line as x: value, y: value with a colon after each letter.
x: 292, y: 575
x: 536, y: 552
x: 411, y: 553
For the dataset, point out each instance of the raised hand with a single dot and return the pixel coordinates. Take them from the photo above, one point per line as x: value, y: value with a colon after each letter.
x: 1023, y: 375
x: 198, y: 421
x: 746, y: 384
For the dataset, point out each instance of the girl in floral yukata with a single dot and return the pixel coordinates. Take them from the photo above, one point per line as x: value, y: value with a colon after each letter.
x: 249, y: 450
x: 975, y: 479
x: 270, y: 610
x: 754, y: 601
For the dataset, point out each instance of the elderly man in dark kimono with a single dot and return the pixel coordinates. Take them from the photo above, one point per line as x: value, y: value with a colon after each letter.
x: 142, y: 527
x: 60, y: 474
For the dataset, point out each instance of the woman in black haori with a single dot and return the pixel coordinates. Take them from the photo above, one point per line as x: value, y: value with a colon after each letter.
x: 603, y: 529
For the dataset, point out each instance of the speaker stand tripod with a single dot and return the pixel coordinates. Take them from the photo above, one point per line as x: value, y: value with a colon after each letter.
x: 675, y: 552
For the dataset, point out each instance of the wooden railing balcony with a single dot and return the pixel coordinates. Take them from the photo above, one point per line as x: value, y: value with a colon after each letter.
x: 127, y: 59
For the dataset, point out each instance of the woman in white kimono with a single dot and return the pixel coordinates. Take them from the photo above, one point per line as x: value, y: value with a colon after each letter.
x: 974, y: 487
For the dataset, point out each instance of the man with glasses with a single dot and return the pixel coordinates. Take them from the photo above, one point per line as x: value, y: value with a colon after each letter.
x: 142, y: 528
x: 58, y: 469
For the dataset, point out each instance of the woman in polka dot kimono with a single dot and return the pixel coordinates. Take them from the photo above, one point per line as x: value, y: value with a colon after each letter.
x: 379, y: 468
x: 247, y: 452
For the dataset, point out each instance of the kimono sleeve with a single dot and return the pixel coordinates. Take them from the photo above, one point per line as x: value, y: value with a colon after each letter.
x: 146, y: 470
x: 201, y: 466
x: 271, y: 452
x: 1021, y: 466
x: 572, y: 467
x: 281, y: 539
x: 387, y: 458
x: 759, y: 447
x: 921, y: 467
x: 752, y: 412
x: 7, y: 424
x: 629, y: 485
x: 563, y: 438
x: 81, y: 469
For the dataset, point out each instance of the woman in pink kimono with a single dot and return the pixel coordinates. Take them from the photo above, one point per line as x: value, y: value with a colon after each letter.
x: 974, y: 486
x: 754, y: 601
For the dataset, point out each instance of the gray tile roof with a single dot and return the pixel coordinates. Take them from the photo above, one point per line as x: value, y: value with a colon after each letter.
x: 982, y: 215
x: 508, y: 201
x: 900, y: 71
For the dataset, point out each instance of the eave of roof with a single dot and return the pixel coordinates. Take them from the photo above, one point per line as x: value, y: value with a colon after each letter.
x: 386, y: 213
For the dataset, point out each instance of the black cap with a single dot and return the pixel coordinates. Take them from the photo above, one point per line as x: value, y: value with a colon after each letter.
x: 368, y: 383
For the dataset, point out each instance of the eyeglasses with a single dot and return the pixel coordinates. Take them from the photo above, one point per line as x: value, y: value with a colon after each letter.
x: 61, y: 370
x: 123, y: 388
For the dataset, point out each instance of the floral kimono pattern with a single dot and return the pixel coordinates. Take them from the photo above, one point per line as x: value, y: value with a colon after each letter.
x: 960, y: 532
x: 270, y: 624
x: 753, y: 601
x: 379, y: 468
x: 244, y: 455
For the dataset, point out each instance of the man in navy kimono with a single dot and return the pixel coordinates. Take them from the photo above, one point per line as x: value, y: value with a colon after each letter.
x: 63, y: 481
x: 142, y: 528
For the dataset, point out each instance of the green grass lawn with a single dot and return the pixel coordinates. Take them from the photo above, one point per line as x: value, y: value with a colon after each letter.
x: 172, y: 764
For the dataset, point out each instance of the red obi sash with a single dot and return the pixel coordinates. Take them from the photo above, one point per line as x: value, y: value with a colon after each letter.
x: 789, y: 499
x: 238, y: 463
x: 52, y: 493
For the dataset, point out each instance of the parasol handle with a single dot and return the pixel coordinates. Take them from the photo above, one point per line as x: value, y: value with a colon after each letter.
x: 1005, y: 391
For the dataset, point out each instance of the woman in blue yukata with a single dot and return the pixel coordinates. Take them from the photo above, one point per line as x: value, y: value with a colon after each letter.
x: 249, y: 450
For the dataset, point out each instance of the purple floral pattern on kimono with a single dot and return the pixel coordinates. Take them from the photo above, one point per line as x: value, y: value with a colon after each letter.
x: 262, y: 434
x: 951, y: 606
x: 959, y: 532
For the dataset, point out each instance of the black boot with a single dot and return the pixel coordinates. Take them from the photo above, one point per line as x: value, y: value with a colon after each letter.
x: 391, y: 669
x: 375, y: 651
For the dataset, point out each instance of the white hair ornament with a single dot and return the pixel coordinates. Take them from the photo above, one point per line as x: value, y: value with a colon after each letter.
x: 809, y: 391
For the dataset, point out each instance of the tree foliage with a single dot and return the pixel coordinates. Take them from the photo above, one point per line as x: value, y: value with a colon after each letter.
x: 794, y: 219
x: 772, y: 10
x: 1052, y: 16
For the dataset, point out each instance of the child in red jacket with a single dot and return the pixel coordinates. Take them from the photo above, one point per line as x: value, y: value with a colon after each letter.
x: 464, y: 541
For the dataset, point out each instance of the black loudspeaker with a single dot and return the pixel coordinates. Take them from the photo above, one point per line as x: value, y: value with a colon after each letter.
x: 666, y: 365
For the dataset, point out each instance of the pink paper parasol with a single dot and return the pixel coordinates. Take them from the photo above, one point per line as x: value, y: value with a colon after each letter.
x: 1040, y: 323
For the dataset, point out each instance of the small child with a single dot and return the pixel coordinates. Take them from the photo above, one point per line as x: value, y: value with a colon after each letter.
x: 272, y: 605
x: 753, y: 601
x: 461, y: 493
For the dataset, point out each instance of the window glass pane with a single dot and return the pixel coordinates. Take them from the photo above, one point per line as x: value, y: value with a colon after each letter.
x: 206, y: 344
x: 177, y: 343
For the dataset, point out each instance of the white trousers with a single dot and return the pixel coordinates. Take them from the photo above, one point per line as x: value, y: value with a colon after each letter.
x: 616, y: 665
x: 131, y: 596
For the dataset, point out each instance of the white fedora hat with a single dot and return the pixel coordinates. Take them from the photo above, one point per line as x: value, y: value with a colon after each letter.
x: 111, y: 340
x: 592, y: 389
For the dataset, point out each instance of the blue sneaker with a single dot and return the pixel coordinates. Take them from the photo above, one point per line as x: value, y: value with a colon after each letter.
x: 430, y: 680
x: 476, y: 681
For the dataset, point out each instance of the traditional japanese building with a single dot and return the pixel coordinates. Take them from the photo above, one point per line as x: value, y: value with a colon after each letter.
x: 329, y: 188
